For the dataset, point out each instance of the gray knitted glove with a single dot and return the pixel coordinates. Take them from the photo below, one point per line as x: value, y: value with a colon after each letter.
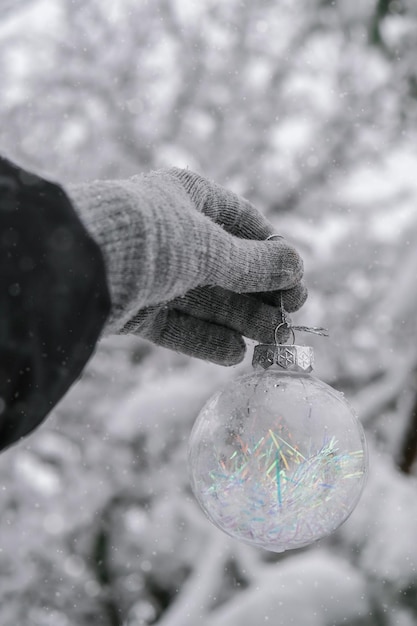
x: 187, y: 263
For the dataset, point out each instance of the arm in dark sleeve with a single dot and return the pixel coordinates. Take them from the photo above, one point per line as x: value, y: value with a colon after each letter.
x: 54, y: 299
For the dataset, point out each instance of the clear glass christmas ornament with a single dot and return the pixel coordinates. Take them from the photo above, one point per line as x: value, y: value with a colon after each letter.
x: 278, y: 458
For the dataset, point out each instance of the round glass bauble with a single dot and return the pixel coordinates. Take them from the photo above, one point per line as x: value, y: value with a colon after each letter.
x: 277, y: 459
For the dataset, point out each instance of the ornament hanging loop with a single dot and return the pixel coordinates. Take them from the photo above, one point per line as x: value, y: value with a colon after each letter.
x: 286, y: 321
x: 316, y: 330
x: 290, y: 328
x: 288, y: 356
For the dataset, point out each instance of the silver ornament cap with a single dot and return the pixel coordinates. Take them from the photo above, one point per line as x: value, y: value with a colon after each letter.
x: 287, y: 356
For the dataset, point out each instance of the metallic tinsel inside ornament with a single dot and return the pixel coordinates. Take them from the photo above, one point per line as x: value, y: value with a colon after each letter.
x: 278, y: 459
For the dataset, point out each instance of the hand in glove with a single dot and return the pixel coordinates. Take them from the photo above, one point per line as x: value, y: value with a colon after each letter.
x: 187, y: 263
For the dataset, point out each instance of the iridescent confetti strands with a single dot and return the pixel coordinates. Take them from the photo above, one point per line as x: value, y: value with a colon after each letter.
x: 278, y: 459
x: 285, y: 480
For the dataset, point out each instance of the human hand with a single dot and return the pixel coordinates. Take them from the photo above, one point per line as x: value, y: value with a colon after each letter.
x: 188, y: 264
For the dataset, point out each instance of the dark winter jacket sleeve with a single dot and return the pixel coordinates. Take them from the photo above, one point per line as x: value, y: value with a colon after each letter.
x: 54, y: 299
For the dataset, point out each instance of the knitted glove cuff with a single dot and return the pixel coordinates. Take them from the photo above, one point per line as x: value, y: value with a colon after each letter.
x: 107, y: 212
x: 153, y: 240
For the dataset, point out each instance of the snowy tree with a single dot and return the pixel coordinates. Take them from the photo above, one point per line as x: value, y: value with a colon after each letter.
x: 308, y: 108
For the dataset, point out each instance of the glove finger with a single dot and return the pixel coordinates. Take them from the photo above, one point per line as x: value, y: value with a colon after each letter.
x: 147, y: 322
x: 191, y: 336
x: 237, y: 215
x: 246, y: 266
x: 246, y: 315
x: 291, y: 299
x: 234, y: 213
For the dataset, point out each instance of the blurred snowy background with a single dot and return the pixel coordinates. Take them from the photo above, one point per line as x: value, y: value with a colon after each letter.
x: 308, y: 108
